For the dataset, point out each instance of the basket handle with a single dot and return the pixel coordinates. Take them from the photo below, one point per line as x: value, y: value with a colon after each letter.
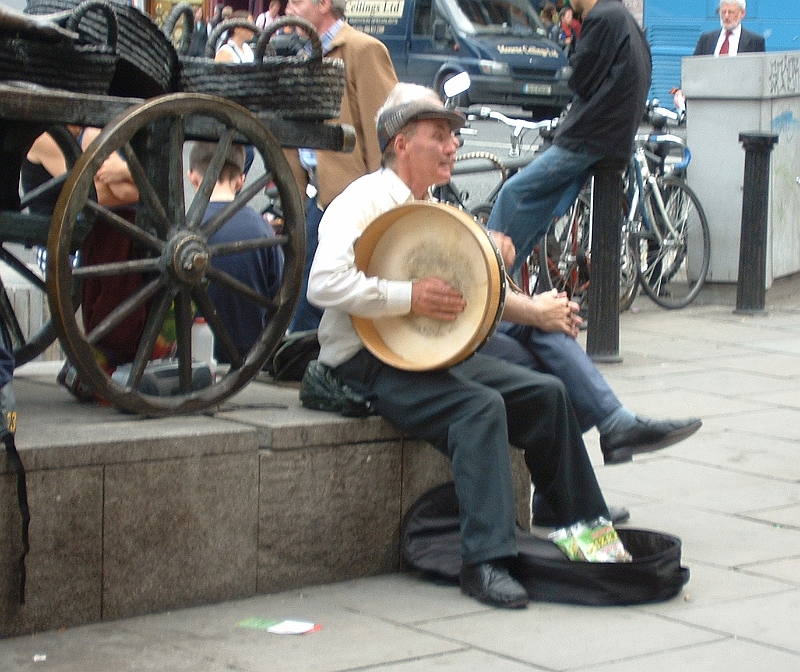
x: 183, y: 10
x: 222, y: 26
x: 112, y: 30
x: 272, y: 28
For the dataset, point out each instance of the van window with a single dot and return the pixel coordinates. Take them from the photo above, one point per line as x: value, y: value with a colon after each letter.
x: 423, y: 19
x: 500, y: 17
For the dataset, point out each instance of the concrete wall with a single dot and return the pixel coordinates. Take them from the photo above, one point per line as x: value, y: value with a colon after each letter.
x: 133, y: 516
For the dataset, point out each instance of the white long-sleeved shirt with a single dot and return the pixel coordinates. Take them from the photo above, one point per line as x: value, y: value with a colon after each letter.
x: 334, y: 282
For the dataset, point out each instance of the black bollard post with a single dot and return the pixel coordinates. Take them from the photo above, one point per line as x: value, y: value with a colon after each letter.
x: 602, y: 338
x: 752, y: 280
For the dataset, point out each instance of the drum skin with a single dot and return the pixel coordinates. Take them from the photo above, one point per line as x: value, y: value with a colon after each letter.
x: 424, y: 239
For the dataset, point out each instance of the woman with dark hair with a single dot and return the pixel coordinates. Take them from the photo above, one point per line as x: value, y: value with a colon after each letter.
x: 236, y: 48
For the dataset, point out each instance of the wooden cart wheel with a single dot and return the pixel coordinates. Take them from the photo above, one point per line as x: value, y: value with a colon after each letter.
x: 174, y: 260
x: 26, y: 348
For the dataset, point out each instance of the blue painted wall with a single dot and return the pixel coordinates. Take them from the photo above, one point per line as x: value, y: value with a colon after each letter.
x: 673, y: 27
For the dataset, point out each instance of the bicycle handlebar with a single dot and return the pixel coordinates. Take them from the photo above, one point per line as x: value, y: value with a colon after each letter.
x: 518, y: 126
x: 489, y: 113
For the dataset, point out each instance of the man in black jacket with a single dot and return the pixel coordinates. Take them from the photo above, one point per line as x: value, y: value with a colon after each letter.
x: 610, y: 80
x: 732, y: 38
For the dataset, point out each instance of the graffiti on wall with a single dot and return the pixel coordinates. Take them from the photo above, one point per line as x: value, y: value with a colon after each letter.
x: 784, y: 75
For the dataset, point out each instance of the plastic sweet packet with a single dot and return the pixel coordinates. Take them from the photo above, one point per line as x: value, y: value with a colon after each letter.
x: 566, y: 541
x: 599, y: 542
x: 593, y: 541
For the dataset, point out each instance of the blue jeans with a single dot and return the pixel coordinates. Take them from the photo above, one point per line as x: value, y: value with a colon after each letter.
x: 561, y: 356
x: 306, y: 316
x: 528, y: 201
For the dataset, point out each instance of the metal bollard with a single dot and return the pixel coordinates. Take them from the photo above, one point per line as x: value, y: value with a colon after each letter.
x: 602, y: 338
x: 752, y: 278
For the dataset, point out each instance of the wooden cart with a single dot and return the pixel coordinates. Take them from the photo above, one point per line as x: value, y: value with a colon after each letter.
x: 174, y: 253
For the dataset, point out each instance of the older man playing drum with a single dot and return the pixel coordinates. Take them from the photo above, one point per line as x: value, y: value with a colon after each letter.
x: 472, y: 411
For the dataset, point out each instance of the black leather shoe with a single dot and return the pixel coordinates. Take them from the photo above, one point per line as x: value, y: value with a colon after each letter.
x: 543, y: 515
x: 490, y: 583
x: 645, y: 436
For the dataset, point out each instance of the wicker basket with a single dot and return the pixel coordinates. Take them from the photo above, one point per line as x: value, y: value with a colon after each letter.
x: 295, y: 87
x: 63, y: 64
x: 147, y: 63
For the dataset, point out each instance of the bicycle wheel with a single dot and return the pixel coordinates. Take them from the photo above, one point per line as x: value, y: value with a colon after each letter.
x: 568, y: 250
x: 532, y: 278
x: 478, y: 185
x: 674, y: 253
x: 628, y: 271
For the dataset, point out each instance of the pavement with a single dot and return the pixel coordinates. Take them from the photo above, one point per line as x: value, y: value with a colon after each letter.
x: 731, y: 493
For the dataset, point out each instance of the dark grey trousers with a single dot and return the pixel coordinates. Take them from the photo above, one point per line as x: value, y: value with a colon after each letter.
x: 471, y: 413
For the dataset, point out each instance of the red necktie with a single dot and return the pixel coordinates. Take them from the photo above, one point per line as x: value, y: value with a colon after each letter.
x: 723, y: 50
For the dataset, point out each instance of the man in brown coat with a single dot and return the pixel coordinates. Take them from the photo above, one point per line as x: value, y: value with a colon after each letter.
x: 323, y: 175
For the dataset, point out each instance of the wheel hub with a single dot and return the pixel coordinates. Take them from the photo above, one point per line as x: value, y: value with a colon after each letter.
x: 190, y: 258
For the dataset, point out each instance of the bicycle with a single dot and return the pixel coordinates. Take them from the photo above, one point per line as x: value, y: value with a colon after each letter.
x: 566, y: 264
x: 667, y: 220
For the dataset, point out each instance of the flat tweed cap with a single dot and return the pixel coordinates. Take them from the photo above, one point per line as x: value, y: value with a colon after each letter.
x: 393, y: 119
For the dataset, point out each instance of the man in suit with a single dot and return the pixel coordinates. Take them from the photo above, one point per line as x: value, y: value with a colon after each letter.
x: 732, y: 38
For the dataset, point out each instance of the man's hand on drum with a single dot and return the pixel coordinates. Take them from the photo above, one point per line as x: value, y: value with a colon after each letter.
x: 433, y: 297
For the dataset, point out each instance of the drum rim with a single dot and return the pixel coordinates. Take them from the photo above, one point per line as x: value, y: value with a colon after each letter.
x: 363, y: 248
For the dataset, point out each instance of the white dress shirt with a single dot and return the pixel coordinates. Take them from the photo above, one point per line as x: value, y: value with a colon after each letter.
x: 334, y: 282
x: 733, y: 41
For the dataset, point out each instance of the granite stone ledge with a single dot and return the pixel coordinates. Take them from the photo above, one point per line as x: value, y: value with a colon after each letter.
x: 64, y: 565
x: 283, y: 423
x: 328, y: 513
x: 179, y: 533
x: 131, y: 441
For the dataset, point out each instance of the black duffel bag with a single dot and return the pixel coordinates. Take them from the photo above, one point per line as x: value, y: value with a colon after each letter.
x: 431, y: 541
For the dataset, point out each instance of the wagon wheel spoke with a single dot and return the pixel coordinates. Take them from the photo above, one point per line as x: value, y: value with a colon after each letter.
x: 176, y: 172
x: 222, y: 249
x: 247, y: 292
x: 124, y: 309
x: 9, y: 318
x: 215, y: 223
x: 148, y: 196
x: 117, y: 268
x: 135, y: 233
x: 155, y: 321
x: 199, y: 203
x: 22, y: 269
x: 221, y: 335
x: 183, y: 332
x: 54, y: 184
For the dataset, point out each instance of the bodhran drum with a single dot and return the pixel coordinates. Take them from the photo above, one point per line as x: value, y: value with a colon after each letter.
x: 424, y: 239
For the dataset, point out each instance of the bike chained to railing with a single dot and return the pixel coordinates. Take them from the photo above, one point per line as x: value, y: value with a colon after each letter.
x: 664, y: 246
